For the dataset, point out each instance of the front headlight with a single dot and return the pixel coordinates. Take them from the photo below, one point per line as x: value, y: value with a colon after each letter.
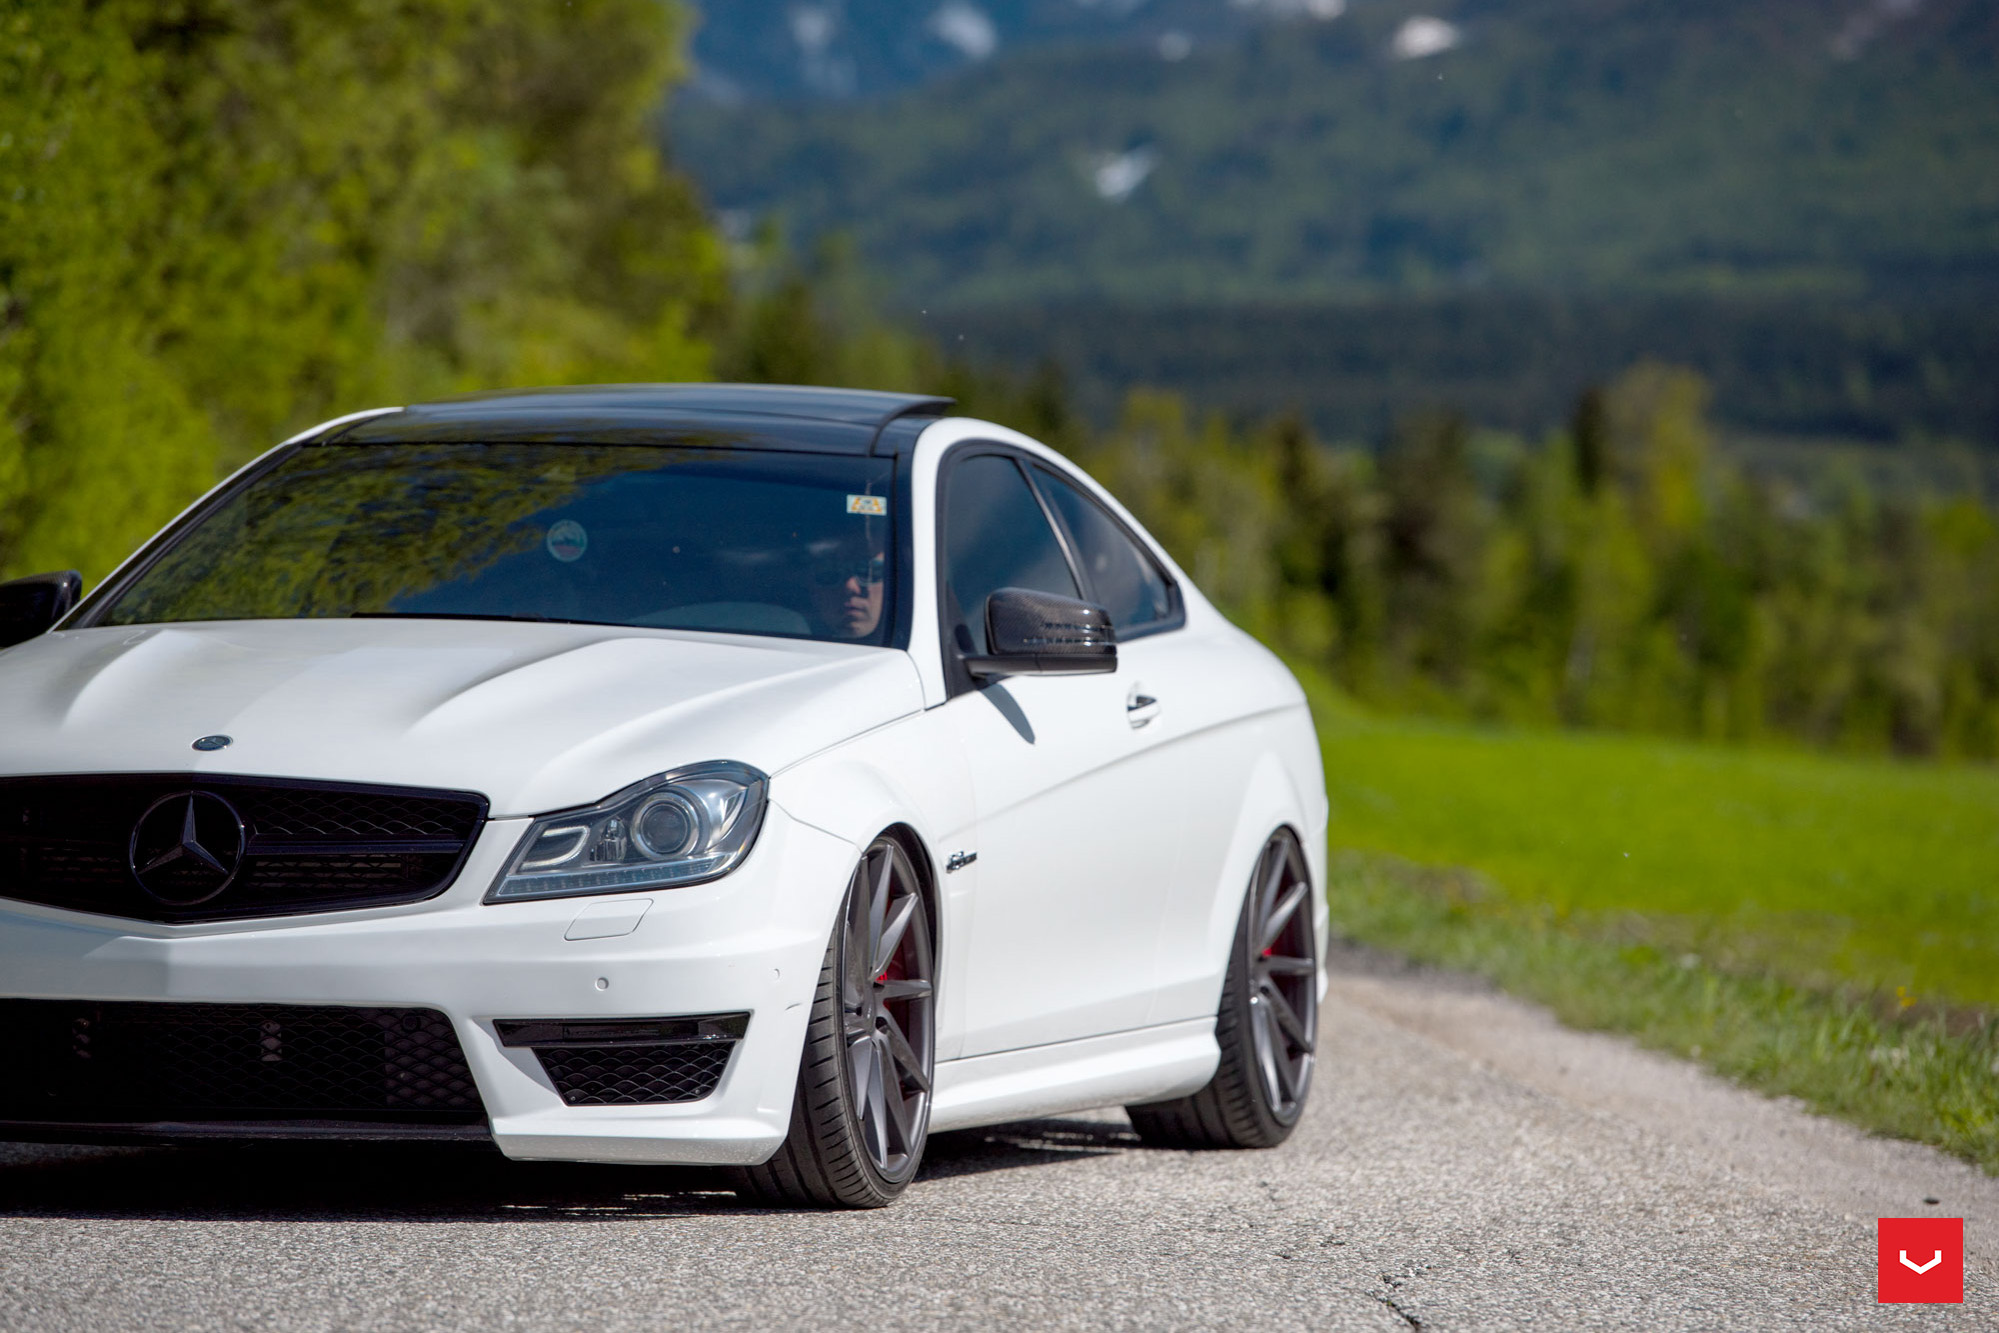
x: 678, y: 828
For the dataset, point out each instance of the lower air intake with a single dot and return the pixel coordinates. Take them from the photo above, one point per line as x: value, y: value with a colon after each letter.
x: 83, y: 1062
x: 635, y: 1075
x: 630, y: 1061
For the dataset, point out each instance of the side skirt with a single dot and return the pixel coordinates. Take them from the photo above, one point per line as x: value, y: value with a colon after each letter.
x: 1143, y: 1065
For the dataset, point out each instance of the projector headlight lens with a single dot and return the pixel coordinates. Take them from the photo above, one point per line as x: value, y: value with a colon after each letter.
x: 666, y: 826
x: 684, y: 827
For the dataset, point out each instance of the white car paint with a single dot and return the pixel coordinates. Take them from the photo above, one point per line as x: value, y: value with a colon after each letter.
x: 1081, y: 954
x: 535, y: 716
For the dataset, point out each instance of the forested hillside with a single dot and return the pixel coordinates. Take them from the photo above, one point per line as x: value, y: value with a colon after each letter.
x: 1659, y: 145
x: 1800, y: 197
x: 834, y: 49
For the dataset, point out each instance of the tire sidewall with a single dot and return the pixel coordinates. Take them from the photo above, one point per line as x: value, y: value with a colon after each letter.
x: 884, y: 1184
x: 1273, y: 1123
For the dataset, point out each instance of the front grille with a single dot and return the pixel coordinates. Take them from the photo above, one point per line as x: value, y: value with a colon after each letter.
x: 337, y: 815
x: 635, y: 1075
x: 307, y: 846
x: 87, y: 1062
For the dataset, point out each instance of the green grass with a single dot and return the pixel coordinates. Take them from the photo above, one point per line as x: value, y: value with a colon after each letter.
x: 1825, y: 871
x: 1820, y: 927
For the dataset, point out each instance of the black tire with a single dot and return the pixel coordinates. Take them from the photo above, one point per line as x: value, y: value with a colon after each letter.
x: 870, y: 1039
x: 1266, y: 1025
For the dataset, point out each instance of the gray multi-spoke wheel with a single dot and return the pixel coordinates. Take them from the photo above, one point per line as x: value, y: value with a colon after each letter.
x: 1267, y: 1024
x: 862, y: 1110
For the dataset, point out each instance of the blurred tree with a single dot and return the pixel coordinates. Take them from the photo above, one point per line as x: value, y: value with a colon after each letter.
x: 222, y: 219
x: 1622, y: 575
x: 1433, y: 529
x: 1212, y: 499
x: 98, y: 437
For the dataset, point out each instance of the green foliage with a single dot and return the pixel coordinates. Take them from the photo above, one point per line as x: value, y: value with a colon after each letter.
x: 1620, y: 574
x: 1214, y: 504
x: 1915, y: 1074
x: 221, y: 220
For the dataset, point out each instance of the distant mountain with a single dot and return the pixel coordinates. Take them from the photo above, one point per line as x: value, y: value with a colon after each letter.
x: 762, y: 50
x: 1413, y: 146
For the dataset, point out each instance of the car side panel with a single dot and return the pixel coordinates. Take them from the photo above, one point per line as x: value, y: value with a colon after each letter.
x: 1255, y: 757
x: 1077, y: 824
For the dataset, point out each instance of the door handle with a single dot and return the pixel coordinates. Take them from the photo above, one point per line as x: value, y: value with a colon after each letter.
x: 1140, y: 709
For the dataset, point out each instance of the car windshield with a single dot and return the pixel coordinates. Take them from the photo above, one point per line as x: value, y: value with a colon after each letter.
x: 753, y: 542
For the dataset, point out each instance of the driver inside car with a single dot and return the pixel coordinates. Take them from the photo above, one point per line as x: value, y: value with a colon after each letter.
x: 847, y: 589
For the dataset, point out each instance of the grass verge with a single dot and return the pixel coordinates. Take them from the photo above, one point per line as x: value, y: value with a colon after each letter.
x: 1829, y: 872
x: 1931, y: 1076
x: 1819, y: 927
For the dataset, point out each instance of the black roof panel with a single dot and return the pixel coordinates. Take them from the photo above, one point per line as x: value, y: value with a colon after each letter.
x: 756, y: 416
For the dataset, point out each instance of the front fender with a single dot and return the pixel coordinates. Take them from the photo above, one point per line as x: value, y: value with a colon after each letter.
x: 911, y: 775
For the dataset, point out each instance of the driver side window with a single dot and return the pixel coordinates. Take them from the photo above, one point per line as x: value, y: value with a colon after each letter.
x: 995, y: 536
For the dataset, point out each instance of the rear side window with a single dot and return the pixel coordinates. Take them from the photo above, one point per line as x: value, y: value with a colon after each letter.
x: 1125, y: 579
x: 995, y: 536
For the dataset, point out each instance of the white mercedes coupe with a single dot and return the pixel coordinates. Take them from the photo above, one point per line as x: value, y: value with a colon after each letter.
x: 758, y: 777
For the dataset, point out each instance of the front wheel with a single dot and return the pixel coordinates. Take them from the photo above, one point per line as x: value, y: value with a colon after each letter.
x: 1267, y: 1025
x: 861, y: 1114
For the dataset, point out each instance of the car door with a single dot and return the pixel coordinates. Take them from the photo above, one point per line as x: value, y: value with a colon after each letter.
x: 1178, y: 693
x: 1076, y: 825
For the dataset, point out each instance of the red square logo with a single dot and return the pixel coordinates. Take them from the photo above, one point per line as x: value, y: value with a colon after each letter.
x: 1921, y: 1260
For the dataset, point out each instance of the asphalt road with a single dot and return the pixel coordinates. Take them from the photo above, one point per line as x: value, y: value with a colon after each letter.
x: 1465, y: 1163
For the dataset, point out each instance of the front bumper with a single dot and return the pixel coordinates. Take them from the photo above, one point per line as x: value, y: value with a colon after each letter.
x: 752, y: 941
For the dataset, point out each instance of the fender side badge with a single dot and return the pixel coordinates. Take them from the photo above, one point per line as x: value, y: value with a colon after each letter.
x: 959, y: 860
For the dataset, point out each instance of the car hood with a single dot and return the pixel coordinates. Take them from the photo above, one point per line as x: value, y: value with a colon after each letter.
x: 536, y: 716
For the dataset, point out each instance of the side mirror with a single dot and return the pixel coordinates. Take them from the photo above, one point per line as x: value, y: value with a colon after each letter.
x: 1043, y: 634
x: 31, y: 605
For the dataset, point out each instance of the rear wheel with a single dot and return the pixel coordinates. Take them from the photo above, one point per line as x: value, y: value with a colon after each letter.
x: 1267, y: 1025
x: 861, y: 1114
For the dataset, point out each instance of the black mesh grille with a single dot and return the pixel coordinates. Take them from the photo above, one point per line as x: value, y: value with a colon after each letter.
x: 87, y: 1062
x: 634, y: 1075
x: 67, y: 842
x: 276, y: 877
x: 337, y: 816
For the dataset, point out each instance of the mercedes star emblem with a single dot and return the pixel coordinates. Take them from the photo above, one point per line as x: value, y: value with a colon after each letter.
x: 187, y: 847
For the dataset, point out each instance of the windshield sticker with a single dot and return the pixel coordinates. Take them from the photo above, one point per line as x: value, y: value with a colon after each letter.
x: 867, y: 504
x: 568, y: 541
